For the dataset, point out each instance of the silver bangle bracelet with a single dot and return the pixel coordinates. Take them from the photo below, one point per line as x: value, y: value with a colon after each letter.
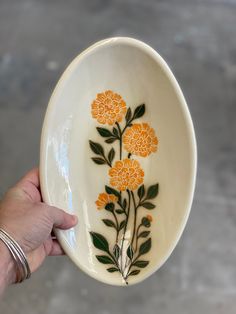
x: 20, y: 271
x: 18, y: 256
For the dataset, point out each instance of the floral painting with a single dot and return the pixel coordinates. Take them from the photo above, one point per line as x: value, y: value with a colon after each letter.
x: 126, y: 199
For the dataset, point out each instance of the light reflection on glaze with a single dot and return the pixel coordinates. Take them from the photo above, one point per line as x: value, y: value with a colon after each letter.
x: 59, y: 142
x: 61, y: 155
x: 91, y: 264
x: 68, y: 104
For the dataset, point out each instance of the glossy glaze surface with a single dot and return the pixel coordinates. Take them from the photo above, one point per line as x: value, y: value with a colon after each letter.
x: 71, y: 180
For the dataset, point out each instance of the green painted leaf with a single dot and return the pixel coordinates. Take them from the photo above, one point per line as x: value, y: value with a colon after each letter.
x: 104, y: 132
x: 141, y: 192
x: 109, y: 223
x: 152, y: 191
x: 96, y: 148
x: 110, y: 207
x: 141, y: 264
x: 134, y: 272
x: 110, y: 190
x: 124, y: 203
x: 144, y: 234
x: 139, y: 111
x: 98, y: 161
x: 115, y: 132
x: 128, y: 115
x: 122, y: 224
x: 112, y: 269
x: 148, y: 205
x: 119, y: 211
x: 116, y: 251
x: 104, y: 259
x: 111, y: 155
x: 99, y: 241
x: 130, y: 252
x: 146, y: 222
x: 111, y: 140
x: 145, y: 247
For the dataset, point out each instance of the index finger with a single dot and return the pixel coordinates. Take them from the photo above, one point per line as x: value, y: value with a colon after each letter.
x: 30, y: 185
x: 31, y: 177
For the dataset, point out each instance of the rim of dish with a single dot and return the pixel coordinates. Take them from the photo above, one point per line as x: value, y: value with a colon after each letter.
x: 189, y: 128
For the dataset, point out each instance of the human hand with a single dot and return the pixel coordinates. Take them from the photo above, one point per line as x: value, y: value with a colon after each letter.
x: 30, y: 221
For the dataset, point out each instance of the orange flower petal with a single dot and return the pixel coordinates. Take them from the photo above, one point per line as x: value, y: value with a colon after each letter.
x: 140, y: 139
x: 104, y: 199
x: 108, y: 108
x: 126, y: 174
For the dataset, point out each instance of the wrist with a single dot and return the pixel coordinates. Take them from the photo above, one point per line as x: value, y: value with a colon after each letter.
x: 7, y: 267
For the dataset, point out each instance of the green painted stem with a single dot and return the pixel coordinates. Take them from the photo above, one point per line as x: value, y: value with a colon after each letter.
x: 121, y: 134
x: 135, y: 218
x: 125, y: 228
x: 117, y: 226
x: 131, y: 264
x: 120, y: 138
x: 136, y: 244
x: 107, y: 161
x: 127, y: 124
x: 117, y: 265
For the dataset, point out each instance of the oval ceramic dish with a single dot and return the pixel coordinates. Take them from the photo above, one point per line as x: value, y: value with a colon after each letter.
x: 118, y: 150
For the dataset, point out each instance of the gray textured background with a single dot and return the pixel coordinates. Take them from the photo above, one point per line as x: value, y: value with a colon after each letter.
x: 198, y: 40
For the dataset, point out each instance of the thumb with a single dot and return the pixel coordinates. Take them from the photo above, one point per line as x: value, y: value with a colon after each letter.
x: 61, y: 219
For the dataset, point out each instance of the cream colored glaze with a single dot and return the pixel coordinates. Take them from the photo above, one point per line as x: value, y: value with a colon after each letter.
x: 70, y: 180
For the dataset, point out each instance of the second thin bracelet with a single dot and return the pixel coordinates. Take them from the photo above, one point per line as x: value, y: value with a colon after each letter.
x: 18, y: 256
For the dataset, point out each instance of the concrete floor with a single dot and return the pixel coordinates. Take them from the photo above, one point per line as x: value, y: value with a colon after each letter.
x: 198, y: 40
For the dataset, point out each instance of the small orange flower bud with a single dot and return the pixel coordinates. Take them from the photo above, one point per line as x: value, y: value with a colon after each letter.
x: 149, y: 217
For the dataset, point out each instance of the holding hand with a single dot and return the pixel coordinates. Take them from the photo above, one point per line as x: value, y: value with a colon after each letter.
x: 29, y: 222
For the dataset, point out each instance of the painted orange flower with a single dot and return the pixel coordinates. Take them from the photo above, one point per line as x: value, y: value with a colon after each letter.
x: 140, y: 139
x: 126, y: 174
x: 108, y: 108
x: 149, y: 217
x: 104, y: 199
